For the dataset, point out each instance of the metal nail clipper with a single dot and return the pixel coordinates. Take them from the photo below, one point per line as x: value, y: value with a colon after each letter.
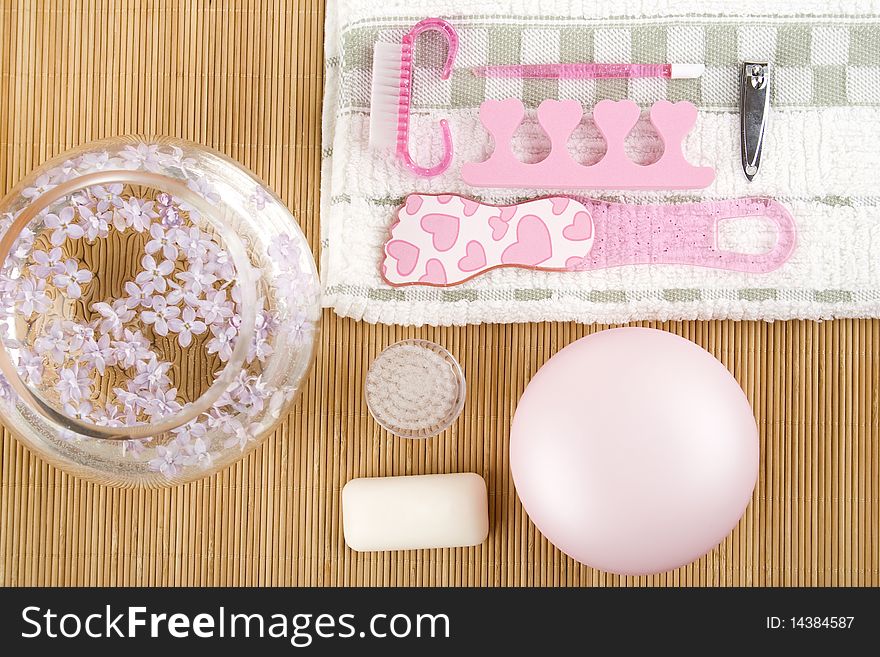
x: 754, y: 106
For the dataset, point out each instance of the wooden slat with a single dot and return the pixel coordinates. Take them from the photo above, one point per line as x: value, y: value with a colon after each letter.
x: 245, y: 77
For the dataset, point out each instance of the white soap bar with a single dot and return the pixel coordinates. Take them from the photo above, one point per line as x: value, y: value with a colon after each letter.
x: 410, y: 513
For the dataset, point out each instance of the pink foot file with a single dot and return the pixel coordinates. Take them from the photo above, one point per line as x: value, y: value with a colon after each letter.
x: 448, y: 239
x: 615, y: 119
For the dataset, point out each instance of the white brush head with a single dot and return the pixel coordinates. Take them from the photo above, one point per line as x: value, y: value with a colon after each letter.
x: 684, y: 71
x: 385, y: 95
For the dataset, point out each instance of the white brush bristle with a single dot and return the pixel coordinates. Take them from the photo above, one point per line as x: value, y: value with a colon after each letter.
x: 385, y: 95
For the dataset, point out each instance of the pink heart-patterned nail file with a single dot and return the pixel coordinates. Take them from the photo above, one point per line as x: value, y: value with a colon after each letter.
x: 445, y: 240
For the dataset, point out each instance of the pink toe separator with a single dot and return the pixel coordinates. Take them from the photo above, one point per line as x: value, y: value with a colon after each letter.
x: 447, y: 239
x: 405, y: 96
x: 615, y: 119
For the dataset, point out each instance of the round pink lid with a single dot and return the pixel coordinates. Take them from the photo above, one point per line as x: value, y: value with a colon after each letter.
x: 634, y: 451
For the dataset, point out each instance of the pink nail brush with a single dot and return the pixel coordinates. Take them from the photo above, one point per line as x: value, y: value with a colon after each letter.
x: 391, y: 95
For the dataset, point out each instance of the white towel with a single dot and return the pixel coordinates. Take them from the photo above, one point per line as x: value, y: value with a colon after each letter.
x: 821, y: 154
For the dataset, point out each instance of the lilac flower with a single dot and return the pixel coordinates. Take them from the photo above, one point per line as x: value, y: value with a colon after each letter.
x: 138, y: 296
x: 83, y: 201
x: 56, y: 343
x: 266, y: 322
x: 196, y: 279
x: 260, y: 349
x: 98, y: 161
x: 249, y: 393
x: 41, y: 185
x: 48, y: 264
x: 230, y: 395
x: 6, y: 391
x: 152, y: 278
x: 142, y: 156
x: 30, y: 367
x: 151, y: 374
x: 71, y: 277
x: 31, y: 297
x: 296, y: 327
x: 220, y: 264
x: 184, y: 293
x: 80, y: 409
x: 130, y: 400
x: 239, y: 436
x: 73, y: 384
x: 135, y: 447
x: 168, y: 212
x: 195, y: 244
x: 215, y: 309
x: 131, y: 349
x: 68, y: 436
x: 6, y: 220
x: 169, y: 459
x: 108, y: 416
x: 221, y: 419
x: 22, y: 246
x: 192, y: 430
x: 160, y: 315
x: 163, y: 239
x: 259, y: 198
x: 198, y: 453
x: 204, y: 188
x: 223, y: 341
x: 108, y: 197
x: 186, y: 326
x: 136, y: 213
x: 191, y: 438
x: 284, y: 251
x: 7, y: 302
x: 63, y: 225
x: 276, y: 401
x: 235, y: 293
x: 176, y: 159
x: 78, y: 332
x: 99, y: 353
x: 160, y: 403
x: 291, y: 287
x: 63, y: 172
x: 113, y: 317
x: 93, y: 225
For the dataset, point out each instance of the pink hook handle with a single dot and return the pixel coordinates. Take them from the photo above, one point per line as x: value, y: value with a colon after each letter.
x: 437, y: 25
x: 406, y: 68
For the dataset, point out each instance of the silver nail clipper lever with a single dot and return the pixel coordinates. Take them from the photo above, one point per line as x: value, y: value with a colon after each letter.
x: 754, y: 106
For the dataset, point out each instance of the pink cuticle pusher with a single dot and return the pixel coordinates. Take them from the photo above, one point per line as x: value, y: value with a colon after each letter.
x: 590, y: 71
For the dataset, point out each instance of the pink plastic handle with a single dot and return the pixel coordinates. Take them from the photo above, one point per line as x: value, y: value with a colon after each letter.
x: 684, y: 234
x: 406, y: 67
x: 574, y: 71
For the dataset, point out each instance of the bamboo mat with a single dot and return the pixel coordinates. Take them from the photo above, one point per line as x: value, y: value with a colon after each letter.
x: 246, y: 78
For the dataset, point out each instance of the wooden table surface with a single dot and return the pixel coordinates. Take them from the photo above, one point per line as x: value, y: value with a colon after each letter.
x: 246, y: 78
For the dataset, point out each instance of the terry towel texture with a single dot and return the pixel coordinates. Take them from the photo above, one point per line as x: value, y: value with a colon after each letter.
x: 821, y: 155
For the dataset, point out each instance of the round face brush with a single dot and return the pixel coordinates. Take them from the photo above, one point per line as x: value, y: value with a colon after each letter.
x: 415, y: 389
x: 391, y: 95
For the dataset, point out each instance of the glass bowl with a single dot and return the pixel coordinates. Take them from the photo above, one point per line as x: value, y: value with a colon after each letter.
x: 158, y: 311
